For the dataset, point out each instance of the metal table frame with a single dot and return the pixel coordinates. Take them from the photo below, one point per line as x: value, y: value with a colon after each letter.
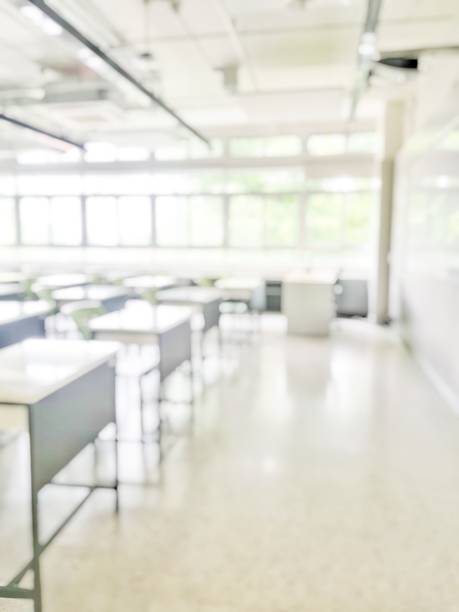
x: 209, y: 308
x: 175, y: 349
x: 53, y: 423
x: 11, y: 291
x: 251, y: 294
x: 119, y: 296
x: 22, y: 327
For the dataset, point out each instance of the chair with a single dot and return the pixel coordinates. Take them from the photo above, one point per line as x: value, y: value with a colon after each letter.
x: 150, y: 296
x: 81, y: 314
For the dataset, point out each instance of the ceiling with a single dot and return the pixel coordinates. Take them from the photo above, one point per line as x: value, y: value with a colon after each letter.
x: 243, y: 65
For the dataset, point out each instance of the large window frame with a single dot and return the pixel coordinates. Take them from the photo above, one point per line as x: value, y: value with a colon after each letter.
x: 300, y: 243
x: 225, y: 179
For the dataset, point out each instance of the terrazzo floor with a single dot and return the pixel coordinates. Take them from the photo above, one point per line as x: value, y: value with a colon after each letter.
x: 318, y: 476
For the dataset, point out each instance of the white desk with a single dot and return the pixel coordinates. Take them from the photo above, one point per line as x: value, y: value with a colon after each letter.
x: 240, y: 289
x: 204, y: 299
x: 308, y: 302
x: 21, y: 320
x: 60, y: 281
x: 149, y: 282
x: 67, y: 391
x: 11, y: 291
x: 12, y: 277
x: 143, y: 324
x: 111, y: 298
x: 139, y: 322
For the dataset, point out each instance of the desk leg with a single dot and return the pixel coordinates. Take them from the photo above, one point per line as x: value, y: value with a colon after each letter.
x: 116, y: 444
x: 117, y: 470
x: 192, y: 385
x: 36, y: 555
x: 36, y: 549
x: 220, y: 341
x: 142, y: 411
x: 160, y: 420
x: 203, y: 359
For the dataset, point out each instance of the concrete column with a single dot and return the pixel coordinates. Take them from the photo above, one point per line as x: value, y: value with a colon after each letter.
x: 393, y: 130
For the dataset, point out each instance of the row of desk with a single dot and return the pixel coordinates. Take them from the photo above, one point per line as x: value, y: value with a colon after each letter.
x: 63, y: 392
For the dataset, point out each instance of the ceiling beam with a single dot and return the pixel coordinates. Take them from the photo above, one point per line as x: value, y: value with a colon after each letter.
x: 37, y: 130
x: 113, y: 64
x: 367, y: 53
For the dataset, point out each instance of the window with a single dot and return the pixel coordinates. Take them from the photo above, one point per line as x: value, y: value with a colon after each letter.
x: 171, y: 221
x: 246, y: 221
x: 103, y: 184
x: 189, y: 221
x: 135, y: 220
x: 199, y: 150
x: 207, y: 182
x: 102, y: 221
x: 339, y: 219
x: 99, y: 152
x: 7, y: 185
x: 338, y: 144
x: 66, y: 221
x: 326, y: 144
x: 206, y: 225
x: 133, y: 184
x: 282, y: 221
x: 189, y: 149
x: 7, y: 222
x: 132, y: 154
x: 35, y: 221
x: 44, y: 156
x: 324, y: 212
x: 47, y: 184
x: 169, y: 183
x: 283, y: 146
x: 276, y: 146
x: 343, y: 184
x: 247, y: 147
x: 275, y: 180
x: 362, y: 142
x: 172, y: 152
x: 358, y: 218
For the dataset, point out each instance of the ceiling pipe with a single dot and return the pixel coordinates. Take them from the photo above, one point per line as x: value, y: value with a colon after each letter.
x: 96, y: 50
x: 367, y: 53
x: 37, y: 130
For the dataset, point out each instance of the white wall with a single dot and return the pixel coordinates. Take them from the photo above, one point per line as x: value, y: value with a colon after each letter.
x: 426, y: 255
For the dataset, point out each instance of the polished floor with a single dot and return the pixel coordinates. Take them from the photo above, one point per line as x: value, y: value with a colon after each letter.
x: 319, y: 476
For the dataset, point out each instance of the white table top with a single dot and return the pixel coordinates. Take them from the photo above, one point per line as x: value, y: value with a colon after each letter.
x: 150, y: 282
x: 311, y: 278
x: 90, y: 292
x: 141, y: 318
x: 10, y: 289
x: 36, y: 368
x: 239, y: 283
x: 11, y: 311
x: 56, y: 281
x: 12, y: 277
x: 190, y: 295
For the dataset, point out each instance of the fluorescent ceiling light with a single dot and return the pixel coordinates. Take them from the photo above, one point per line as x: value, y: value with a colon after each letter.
x: 41, y: 20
